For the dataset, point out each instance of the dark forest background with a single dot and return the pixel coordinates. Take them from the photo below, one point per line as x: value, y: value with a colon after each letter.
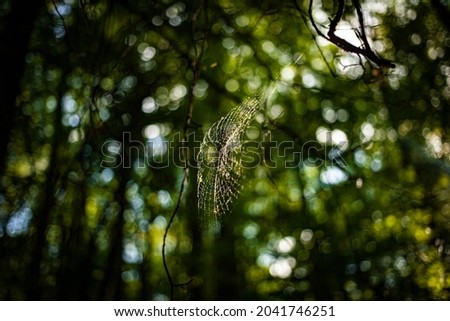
x: 97, y: 95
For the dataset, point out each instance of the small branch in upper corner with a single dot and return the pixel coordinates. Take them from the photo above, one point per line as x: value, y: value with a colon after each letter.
x: 365, y: 50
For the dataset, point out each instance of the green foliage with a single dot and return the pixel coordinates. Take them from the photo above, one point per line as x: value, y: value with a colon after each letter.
x: 345, y: 195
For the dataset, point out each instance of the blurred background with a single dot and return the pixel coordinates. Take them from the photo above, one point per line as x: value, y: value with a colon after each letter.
x: 95, y: 96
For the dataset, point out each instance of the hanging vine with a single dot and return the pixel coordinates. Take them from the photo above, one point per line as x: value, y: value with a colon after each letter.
x: 199, y: 48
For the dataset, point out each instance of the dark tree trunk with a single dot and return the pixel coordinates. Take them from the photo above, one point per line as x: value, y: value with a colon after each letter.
x: 14, y: 39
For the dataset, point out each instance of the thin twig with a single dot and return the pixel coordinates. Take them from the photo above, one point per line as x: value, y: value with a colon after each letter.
x: 320, y: 50
x: 305, y: 21
x: 196, y: 70
x: 359, y: 13
x: 172, y: 217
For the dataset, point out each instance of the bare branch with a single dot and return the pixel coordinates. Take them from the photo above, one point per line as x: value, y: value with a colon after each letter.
x: 331, y: 36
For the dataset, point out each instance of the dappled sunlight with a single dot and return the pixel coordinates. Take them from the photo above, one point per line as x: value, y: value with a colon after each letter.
x: 324, y: 174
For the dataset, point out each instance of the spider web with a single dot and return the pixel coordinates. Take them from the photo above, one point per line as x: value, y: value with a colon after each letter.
x: 219, y: 161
